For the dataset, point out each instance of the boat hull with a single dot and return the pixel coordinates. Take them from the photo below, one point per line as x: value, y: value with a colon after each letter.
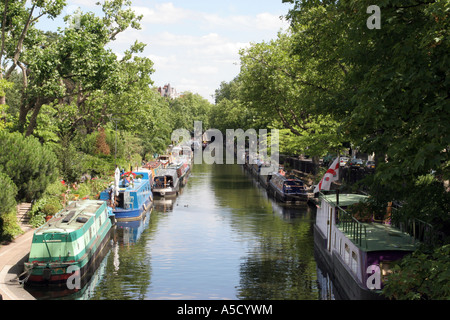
x: 285, y: 197
x: 348, y: 287
x: 166, y: 192
x: 132, y: 214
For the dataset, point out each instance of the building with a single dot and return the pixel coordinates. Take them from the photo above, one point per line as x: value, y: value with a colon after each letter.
x: 168, y: 91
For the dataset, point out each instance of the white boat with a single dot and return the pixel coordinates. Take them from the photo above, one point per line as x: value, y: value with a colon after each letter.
x: 358, y: 253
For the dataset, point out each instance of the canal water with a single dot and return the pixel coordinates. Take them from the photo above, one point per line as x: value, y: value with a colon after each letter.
x: 221, y: 238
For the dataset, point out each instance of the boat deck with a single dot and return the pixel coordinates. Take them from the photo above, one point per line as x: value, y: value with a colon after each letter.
x: 382, y: 237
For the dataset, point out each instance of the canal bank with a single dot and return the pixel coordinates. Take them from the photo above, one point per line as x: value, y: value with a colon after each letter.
x: 12, y: 258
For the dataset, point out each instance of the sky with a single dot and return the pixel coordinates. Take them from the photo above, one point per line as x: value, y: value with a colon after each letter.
x: 195, y: 44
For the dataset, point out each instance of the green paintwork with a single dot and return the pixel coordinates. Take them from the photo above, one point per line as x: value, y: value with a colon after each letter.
x: 375, y: 236
x: 70, y: 237
x: 344, y: 199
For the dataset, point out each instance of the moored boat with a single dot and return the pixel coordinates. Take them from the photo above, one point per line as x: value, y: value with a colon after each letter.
x: 287, y: 189
x: 182, y: 168
x: 167, y: 183
x: 68, y: 244
x: 358, y: 252
x: 131, y: 196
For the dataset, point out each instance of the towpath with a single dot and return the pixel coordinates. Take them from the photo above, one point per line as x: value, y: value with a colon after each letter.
x: 12, y: 257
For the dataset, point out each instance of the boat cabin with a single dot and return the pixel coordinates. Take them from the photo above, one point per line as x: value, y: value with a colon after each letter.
x: 288, y: 186
x: 357, y: 246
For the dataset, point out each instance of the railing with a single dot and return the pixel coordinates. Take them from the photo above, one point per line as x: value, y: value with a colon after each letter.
x: 416, y: 228
x: 348, y: 224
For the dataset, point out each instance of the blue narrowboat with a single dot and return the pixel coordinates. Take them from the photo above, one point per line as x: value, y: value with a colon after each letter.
x: 131, y: 196
x: 286, y: 189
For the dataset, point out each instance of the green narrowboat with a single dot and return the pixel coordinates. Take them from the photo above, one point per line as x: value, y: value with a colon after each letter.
x: 68, y: 244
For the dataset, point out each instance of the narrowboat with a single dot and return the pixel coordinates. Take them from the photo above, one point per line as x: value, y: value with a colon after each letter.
x: 182, y: 168
x: 287, y: 189
x: 131, y: 196
x: 167, y: 183
x: 357, y: 252
x: 70, y: 242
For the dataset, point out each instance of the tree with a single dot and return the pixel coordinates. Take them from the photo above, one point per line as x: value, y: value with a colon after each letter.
x: 30, y: 165
x: 18, y: 22
x: 393, y: 99
x: 67, y: 68
x: 188, y: 108
x: 284, y: 84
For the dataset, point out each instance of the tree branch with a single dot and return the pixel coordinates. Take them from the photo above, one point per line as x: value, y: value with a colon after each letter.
x: 20, y: 43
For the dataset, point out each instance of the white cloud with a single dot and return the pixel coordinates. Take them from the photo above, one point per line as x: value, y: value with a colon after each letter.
x: 196, y: 50
x: 207, y: 69
x: 162, y: 13
x: 84, y: 3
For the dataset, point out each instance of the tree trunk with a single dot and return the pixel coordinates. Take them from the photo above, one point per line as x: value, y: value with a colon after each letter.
x: 33, y: 119
x: 316, y: 162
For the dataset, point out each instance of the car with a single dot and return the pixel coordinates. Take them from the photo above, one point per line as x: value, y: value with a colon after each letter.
x: 343, y: 161
x: 370, y: 164
x: 356, y: 163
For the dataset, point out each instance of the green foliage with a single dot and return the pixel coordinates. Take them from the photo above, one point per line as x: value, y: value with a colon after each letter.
x: 421, y: 276
x: 287, y: 87
x: 428, y: 201
x: 30, y: 165
x: 69, y: 160
x: 9, y: 227
x: 58, y: 194
x: 8, y: 194
x: 189, y: 108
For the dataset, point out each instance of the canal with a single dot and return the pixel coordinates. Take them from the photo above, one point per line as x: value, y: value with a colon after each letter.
x: 221, y: 238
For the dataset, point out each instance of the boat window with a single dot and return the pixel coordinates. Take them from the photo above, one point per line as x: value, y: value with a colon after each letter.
x: 354, y: 265
x: 347, y: 254
x: 294, y: 183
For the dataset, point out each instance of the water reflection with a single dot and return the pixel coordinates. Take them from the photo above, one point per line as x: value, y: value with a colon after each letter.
x: 279, y: 264
x: 222, y: 238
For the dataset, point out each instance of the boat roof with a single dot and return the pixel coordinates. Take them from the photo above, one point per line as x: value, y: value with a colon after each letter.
x: 377, y: 236
x: 72, y: 217
x: 345, y: 199
x: 167, y: 172
x: 383, y: 237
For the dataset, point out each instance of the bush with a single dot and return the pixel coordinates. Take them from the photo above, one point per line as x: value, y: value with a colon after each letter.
x: 52, y: 200
x: 30, y: 165
x: 8, y: 215
x: 8, y: 194
x: 9, y: 227
x: 421, y: 276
